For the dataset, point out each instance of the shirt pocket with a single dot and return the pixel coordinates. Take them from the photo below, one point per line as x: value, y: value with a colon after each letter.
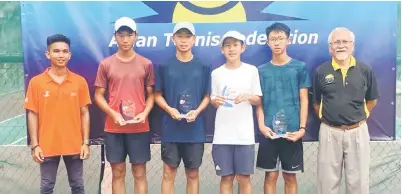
x: 359, y: 91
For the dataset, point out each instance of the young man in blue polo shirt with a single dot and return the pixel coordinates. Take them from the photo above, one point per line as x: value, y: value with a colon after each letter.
x: 182, y: 90
x: 283, y: 112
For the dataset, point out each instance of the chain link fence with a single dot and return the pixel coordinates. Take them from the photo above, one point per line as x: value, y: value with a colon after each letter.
x: 20, y: 175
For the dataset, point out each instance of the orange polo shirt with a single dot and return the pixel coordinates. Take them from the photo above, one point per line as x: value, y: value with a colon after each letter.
x: 58, y: 108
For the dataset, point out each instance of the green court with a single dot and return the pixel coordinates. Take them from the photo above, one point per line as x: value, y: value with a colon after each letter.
x: 13, y: 131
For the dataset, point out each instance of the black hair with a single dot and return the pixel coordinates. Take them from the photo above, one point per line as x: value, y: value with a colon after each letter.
x: 278, y: 27
x: 185, y: 30
x: 57, y: 38
x: 224, y: 40
x: 125, y: 29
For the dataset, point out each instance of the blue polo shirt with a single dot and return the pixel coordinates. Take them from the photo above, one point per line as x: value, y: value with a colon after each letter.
x: 280, y: 87
x: 183, y: 86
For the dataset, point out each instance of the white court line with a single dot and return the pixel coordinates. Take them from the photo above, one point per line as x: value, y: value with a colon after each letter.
x: 12, y: 92
x: 3, y: 121
x: 20, y: 139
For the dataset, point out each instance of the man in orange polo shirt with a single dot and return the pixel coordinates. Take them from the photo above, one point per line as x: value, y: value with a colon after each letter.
x: 58, y: 118
x: 126, y: 76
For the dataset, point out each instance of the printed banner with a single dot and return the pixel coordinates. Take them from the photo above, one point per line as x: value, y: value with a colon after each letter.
x: 89, y: 25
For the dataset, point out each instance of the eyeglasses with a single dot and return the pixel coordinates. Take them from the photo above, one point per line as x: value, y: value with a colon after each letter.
x: 280, y: 39
x: 339, y: 42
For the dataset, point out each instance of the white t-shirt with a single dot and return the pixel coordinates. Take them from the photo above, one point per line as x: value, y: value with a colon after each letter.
x: 234, y: 124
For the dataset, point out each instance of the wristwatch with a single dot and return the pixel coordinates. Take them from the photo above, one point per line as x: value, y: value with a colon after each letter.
x: 303, y: 128
x: 86, y: 142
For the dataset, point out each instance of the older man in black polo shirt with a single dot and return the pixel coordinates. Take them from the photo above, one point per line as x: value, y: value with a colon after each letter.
x: 345, y: 91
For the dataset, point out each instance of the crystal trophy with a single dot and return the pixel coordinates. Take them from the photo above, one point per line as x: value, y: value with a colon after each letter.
x: 185, y: 104
x: 127, y: 110
x: 229, y: 95
x: 280, y: 124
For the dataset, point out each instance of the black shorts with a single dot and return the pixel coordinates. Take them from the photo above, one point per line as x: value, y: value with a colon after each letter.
x: 135, y: 145
x: 191, y: 153
x: 288, y: 153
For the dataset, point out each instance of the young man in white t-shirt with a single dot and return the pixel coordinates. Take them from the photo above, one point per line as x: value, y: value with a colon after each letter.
x: 235, y: 88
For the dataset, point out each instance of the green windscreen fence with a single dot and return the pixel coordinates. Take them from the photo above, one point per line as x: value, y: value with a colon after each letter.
x: 11, y: 57
x: 10, y: 32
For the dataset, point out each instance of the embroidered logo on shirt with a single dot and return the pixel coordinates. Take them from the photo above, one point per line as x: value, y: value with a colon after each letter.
x: 73, y: 94
x: 46, y: 94
x: 329, y: 78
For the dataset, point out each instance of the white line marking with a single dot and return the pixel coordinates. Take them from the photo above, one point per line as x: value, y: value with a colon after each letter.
x: 12, y: 92
x: 20, y: 139
x: 4, y: 121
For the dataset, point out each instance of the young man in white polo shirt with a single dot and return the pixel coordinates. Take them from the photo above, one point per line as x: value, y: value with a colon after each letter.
x: 235, y: 88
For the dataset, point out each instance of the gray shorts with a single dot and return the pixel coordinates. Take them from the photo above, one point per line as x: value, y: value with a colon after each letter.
x: 233, y: 159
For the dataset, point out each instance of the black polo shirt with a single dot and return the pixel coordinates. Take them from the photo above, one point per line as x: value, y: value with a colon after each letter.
x: 343, y: 101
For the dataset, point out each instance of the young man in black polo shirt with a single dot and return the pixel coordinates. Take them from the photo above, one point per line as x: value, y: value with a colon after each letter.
x: 345, y: 91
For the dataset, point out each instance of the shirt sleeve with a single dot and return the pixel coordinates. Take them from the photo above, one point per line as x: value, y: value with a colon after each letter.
x: 84, y: 97
x: 101, y: 77
x: 317, y: 88
x: 159, y: 78
x: 31, y: 98
x: 256, y: 86
x: 150, y: 76
x: 304, y: 78
x: 214, y: 85
x: 372, y: 89
x: 207, y: 80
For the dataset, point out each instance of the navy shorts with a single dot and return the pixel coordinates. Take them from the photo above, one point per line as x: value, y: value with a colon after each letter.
x: 135, y: 145
x: 288, y: 154
x: 233, y: 159
x: 191, y: 153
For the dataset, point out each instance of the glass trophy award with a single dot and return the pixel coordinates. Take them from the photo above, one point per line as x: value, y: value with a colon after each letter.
x: 229, y: 95
x: 127, y: 110
x: 280, y: 124
x: 185, y: 104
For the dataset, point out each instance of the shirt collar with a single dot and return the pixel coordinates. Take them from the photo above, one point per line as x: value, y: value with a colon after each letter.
x: 336, y: 66
x: 49, y: 79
